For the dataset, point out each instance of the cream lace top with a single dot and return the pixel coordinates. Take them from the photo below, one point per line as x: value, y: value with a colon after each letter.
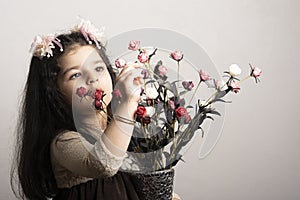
x: 74, y: 160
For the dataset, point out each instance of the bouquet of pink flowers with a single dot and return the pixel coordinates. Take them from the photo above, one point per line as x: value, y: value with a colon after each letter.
x: 164, y: 115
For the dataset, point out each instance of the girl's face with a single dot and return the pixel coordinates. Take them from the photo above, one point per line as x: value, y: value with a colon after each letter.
x: 83, y: 67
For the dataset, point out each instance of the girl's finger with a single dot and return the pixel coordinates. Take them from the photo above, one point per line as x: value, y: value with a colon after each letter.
x: 124, y: 76
x: 138, y: 80
x: 128, y: 67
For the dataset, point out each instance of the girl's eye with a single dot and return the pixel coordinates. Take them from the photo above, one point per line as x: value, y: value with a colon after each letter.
x: 99, y: 69
x: 76, y: 75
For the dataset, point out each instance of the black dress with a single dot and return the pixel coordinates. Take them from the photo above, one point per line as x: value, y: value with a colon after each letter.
x: 117, y: 187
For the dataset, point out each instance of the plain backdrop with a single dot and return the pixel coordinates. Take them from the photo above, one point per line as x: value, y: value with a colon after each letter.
x: 257, y: 156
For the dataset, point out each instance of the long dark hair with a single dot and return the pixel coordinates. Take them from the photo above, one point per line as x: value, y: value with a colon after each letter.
x: 44, y: 113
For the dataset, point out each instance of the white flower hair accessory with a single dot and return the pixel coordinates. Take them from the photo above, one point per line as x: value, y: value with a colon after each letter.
x: 90, y: 32
x: 43, y: 45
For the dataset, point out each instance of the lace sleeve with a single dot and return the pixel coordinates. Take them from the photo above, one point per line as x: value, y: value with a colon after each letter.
x: 77, y: 155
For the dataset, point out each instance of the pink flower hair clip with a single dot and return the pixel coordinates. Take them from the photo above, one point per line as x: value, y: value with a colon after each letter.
x: 42, y: 45
x: 90, y: 32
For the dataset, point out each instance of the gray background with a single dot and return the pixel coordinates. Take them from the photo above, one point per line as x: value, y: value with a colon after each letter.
x: 257, y: 156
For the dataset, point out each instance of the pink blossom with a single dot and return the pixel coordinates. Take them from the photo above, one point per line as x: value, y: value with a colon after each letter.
x: 134, y: 45
x: 120, y: 63
x: 117, y: 94
x: 177, y: 55
x: 145, y: 73
x: 172, y: 104
x: 98, y: 95
x: 204, y: 76
x: 163, y: 70
x: 81, y: 91
x: 142, y: 91
x: 141, y: 111
x: 143, y: 57
x: 181, y: 112
x: 98, y: 105
x: 188, y: 85
x: 187, y: 118
x: 234, y: 87
x: 90, y: 32
x: 256, y: 72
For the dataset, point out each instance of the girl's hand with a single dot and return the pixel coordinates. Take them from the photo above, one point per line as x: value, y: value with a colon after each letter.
x: 128, y: 84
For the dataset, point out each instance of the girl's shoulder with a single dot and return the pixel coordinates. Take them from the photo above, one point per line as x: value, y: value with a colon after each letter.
x: 65, y: 135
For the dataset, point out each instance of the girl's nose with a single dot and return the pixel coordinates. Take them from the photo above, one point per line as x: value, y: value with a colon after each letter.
x: 91, y: 79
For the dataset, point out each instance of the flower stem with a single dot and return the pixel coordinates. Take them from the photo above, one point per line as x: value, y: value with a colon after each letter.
x: 244, y: 79
x: 194, y: 92
x: 178, y: 68
x: 210, y: 98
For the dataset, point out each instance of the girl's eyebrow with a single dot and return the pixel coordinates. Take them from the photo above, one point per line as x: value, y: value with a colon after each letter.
x: 98, y: 61
x: 76, y: 67
x: 69, y: 69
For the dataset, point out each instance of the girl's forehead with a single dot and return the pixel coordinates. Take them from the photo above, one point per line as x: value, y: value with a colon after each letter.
x: 80, y: 56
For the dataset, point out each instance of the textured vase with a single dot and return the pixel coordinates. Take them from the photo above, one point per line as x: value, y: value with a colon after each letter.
x: 156, y: 185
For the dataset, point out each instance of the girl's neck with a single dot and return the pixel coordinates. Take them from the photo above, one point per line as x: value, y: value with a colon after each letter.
x: 95, y: 123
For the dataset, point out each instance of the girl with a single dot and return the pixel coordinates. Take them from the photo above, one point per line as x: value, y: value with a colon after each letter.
x: 62, y: 152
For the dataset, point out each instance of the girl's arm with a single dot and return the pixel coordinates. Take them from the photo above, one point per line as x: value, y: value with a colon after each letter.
x: 118, y: 133
x: 105, y: 157
x: 70, y: 152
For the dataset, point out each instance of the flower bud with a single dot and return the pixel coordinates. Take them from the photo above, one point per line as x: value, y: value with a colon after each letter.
x: 204, y: 76
x: 81, y: 91
x: 151, y: 93
x: 143, y: 57
x: 120, y: 63
x: 177, y: 55
x: 134, y: 45
x: 234, y: 70
x: 256, y: 72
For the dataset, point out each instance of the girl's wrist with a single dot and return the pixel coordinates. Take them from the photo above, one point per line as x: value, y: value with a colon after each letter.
x: 127, y: 110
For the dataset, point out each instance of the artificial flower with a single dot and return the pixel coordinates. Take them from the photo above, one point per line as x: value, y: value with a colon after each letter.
x: 188, y: 85
x: 234, y: 70
x: 134, y: 45
x: 176, y: 55
x: 146, y: 73
x: 141, y: 112
x: 98, y: 95
x: 234, y: 87
x: 172, y: 104
x: 90, y: 32
x: 187, y: 118
x: 150, y: 110
x: 181, y: 111
x: 204, y: 76
x: 117, y: 94
x: 143, y: 57
x: 151, y: 93
x: 98, y: 105
x: 256, y: 72
x: 163, y: 70
x: 81, y: 92
x: 120, y: 63
x: 43, y: 45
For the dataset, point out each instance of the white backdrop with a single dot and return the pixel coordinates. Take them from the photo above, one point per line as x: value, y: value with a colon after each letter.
x: 257, y: 156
